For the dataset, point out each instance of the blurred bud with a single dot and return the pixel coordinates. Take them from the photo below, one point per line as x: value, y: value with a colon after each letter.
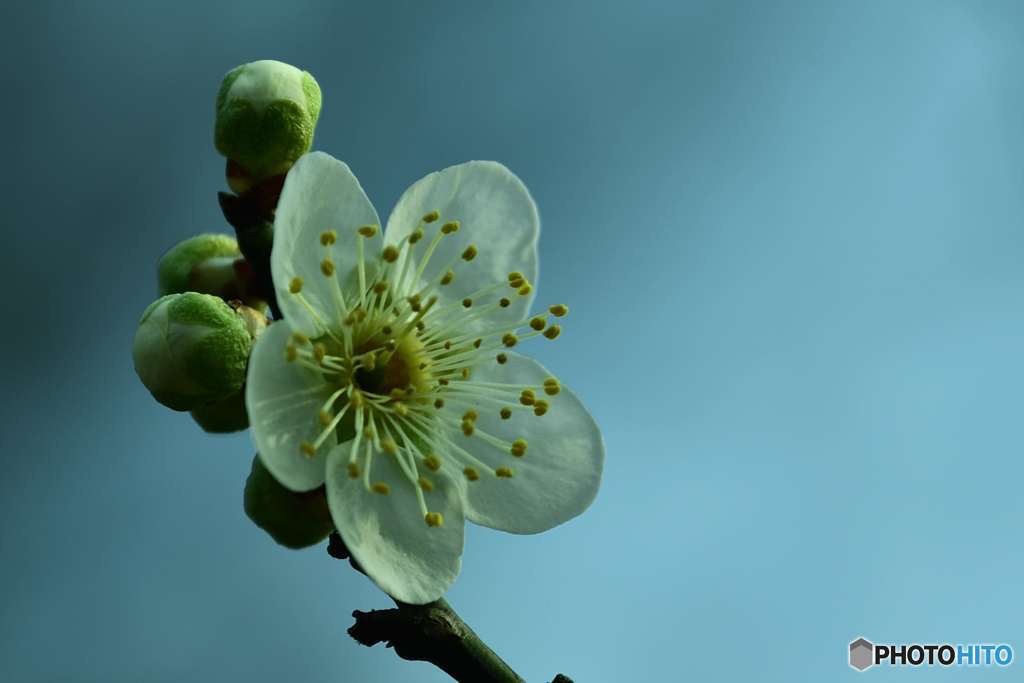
x: 223, y: 417
x: 295, y: 520
x: 266, y: 114
x: 191, y: 349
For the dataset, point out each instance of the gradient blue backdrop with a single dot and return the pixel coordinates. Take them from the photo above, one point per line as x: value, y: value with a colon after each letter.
x: 791, y: 236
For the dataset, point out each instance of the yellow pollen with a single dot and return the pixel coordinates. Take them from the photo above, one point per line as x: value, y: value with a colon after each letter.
x: 503, y: 472
x: 471, y: 474
x: 390, y: 254
x: 467, y: 427
x: 290, y: 353
x: 447, y: 278
x: 434, y: 519
x: 509, y: 340
x: 517, y: 283
x: 353, y: 471
x: 553, y: 332
x: 380, y: 287
x: 416, y: 236
x: 319, y: 351
x: 470, y: 253
x: 328, y: 237
x: 381, y: 488
x: 370, y: 361
x: 307, y: 449
x: 443, y: 382
x: 448, y: 345
x: 559, y: 310
x: 426, y: 485
x: 551, y: 386
x: 467, y: 302
x: 465, y: 373
x: 540, y: 407
x: 502, y: 358
x: 538, y: 323
x: 368, y: 230
x: 518, y: 448
x: 506, y: 413
x: 527, y: 397
x: 525, y: 289
x: 389, y: 446
x: 470, y: 415
x: 357, y: 402
x: 504, y: 303
x: 299, y: 338
x: 450, y: 227
x: 401, y: 409
x: 439, y: 403
x: 324, y: 417
x: 432, y: 462
x: 516, y: 275
x: 432, y: 216
x: 295, y: 286
x: 327, y: 267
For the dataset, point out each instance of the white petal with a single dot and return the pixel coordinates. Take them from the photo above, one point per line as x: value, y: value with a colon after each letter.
x: 283, y: 400
x: 388, y: 535
x: 558, y: 476
x: 319, y: 194
x: 495, y: 212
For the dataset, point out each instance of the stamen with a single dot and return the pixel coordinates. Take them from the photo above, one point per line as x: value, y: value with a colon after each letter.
x: 553, y: 332
x: 519, y: 448
x: 295, y: 286
x: 328, y: 238
x: 434, y: 519
x: 471, y: 473
x: 503, y: 472
x: 559, y: 310
x: 431, y: 217
x: 381, y: 488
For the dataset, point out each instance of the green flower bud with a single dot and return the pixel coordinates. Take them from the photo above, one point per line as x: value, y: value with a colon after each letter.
x: 295, y: 520
x: 266, y: 113
x: 191, y: 349
x: 223, y: 417
x: 204, y: 263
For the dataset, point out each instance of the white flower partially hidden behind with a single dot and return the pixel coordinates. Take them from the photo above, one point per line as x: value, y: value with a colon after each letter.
x: 392, y: 380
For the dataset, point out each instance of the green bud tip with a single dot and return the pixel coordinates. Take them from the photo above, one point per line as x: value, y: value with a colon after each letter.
x: 204, y: 263
x: 266, y: 114
x: 191, y: 349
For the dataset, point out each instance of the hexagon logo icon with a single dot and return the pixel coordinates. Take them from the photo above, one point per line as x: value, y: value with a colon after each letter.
x: 862, y: 654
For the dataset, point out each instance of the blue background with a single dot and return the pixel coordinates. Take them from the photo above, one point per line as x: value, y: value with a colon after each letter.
x: 791, y: 236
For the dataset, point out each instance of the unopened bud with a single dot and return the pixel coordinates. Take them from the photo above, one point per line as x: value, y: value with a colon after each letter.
x: 295, y: 520
x: 204, y: 263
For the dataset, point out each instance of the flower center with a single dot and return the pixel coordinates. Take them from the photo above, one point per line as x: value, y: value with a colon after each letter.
x: 401, y: 371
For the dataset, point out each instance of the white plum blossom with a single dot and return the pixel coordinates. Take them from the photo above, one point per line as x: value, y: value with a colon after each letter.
x: 392, y: 380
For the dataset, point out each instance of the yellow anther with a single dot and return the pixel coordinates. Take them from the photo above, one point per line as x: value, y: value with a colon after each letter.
x: 390, y: 254
x: 506, y: 413
x: 396, y: 393
x: 477, y: 343
x: 368, y: 230
x: 467, y: 427
x: 509, y: 340
x: 432, y: 462
x: 540, y: 407
x: 516, y: 275
x: 450, y: 227
x: 439, y: 403
x: 370, y: 361
x: 416, y: 236
x: 525, y: 289
x: 467, y: 302
x: 432, y: 216
x: 443, y: 382
x: 470, y: 253
x: 434, y: 519
x: 370, y: 434
x: 559, y: 310
x: 380, y: 287
x: 503, y: 472
x: 401, y: 409
x: 466, y: 372
x: 504, y: 303
x: 358, y: 402
x: 553, y: 332
x: 426, y: 484
x: 381, y: 488
x: 308, y: 449
x: 328, y: 237
x: 527, y: 397
x: 324, y: 417
x: 295, y: 286
x: 319, y: 351
x: 518, y: 448
x: 290, y: 353
x: 448, y: 345
x: 470, y: 415
x: 471, y: 474
x: 551, y: 386
x: 502, y: 358
x: 447, y: 278
x: 538, y: 323
x: 299, y: 338
x: 517, y: 283
x: 414, y: 300
x: 389, y: 446
x: 353, y: 470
